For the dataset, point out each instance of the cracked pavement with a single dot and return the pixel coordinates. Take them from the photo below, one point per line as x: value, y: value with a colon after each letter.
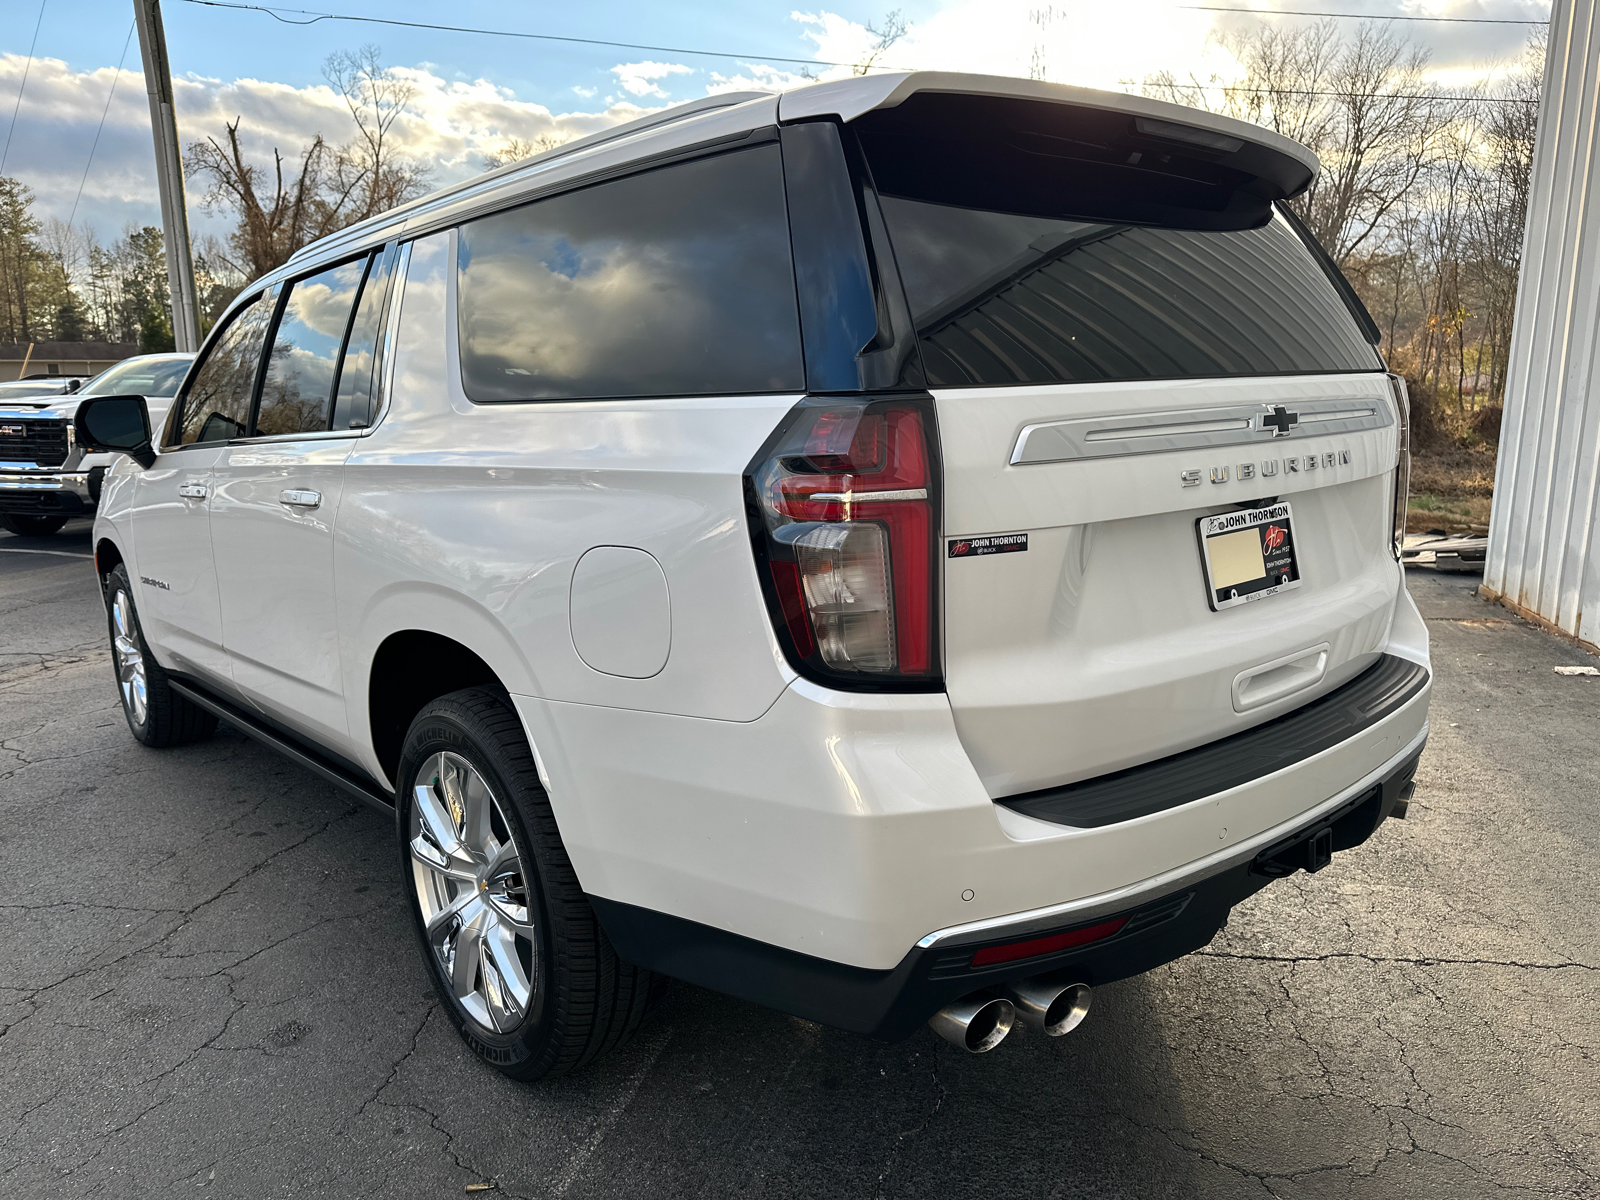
x: 207, y: 986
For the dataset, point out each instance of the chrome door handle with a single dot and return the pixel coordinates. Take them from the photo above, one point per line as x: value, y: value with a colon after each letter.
x: 300, y: 498
x: 192, y: 491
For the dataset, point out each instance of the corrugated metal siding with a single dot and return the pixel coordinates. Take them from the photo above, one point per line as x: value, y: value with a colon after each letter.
x: 1544, y: 534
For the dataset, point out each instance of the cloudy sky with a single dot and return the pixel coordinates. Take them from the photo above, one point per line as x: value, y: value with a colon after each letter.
x: 475, y: 90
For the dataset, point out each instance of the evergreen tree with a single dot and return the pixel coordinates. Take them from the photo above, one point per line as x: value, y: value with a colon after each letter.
x: 70, y: 324
x: 18, y: 256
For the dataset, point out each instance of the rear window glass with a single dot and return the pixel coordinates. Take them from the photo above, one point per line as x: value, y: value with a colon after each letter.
x: 675, y: 282
x: 1008, y: 298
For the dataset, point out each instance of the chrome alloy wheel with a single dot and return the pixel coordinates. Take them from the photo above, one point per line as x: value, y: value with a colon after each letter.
x: 130, y: 659
x: 473, y: 892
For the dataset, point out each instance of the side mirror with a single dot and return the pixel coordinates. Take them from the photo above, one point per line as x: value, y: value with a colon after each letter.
x: 120, y: 424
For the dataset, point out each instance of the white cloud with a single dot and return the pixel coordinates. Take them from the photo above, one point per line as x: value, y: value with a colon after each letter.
x: 639, y: 79
x: 452, y: 124
x: 1088, y: 42
x: 449, y: 126
x: 756, y: 77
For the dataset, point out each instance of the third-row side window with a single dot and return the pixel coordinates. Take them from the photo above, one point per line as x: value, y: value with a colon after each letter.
x: 675, y: 282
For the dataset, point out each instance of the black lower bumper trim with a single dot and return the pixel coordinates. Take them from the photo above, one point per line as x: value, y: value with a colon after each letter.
x: 1153, y: 787
x: 50, y: 502
x: 893, y: 1004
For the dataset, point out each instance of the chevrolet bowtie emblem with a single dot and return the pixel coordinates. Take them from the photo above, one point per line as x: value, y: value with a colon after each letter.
x: 1278, y: 419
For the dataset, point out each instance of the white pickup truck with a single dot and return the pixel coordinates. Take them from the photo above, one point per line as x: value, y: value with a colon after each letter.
x: 45, y: 478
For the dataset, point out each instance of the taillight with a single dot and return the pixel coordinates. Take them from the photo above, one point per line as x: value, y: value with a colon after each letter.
x: 846, y: 524
x: 1402, y: 469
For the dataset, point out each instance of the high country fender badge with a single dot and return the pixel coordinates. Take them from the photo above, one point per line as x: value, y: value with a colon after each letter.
x: 995, y: 543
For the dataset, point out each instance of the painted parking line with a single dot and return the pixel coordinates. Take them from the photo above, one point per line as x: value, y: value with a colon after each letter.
x: 59, y: 553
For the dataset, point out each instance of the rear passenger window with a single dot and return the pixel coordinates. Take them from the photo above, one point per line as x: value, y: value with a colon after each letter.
x: 297, y: 393
x: 216, y: 405
x: 678, y: 281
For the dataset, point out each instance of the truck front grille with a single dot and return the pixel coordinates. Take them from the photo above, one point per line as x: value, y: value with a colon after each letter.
x: 42, y: 442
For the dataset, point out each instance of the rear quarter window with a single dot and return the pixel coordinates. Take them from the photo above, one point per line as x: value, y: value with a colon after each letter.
x: 677, y: 281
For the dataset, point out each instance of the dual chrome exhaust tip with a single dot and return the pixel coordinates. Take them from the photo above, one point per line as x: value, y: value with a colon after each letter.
x: 980, y: 1022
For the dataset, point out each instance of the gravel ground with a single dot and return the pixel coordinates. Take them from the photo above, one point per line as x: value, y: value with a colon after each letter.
x: 207, y: 985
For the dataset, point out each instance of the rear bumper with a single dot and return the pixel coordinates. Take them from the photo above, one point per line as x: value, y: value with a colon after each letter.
x: 1162, y: 919
x: 842, y: 828
x: 51, y: 493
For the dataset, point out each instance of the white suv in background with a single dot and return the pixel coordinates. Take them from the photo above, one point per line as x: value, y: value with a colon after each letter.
x: 913, y: 548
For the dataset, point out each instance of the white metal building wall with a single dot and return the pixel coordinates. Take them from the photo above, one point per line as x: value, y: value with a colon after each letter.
x: 1544, y: 534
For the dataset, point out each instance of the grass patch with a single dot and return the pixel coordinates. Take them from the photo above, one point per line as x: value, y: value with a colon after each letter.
x: 1439, y: 504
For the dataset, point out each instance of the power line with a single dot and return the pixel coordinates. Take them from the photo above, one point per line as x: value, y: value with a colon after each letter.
x: 276, y: 14
x: 1285, y: 91
x: 96, y: 144
x: 28, y: 66
x: 1297, y: 12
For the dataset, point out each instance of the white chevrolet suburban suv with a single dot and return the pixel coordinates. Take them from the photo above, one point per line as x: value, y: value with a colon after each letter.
x: 910, y: 549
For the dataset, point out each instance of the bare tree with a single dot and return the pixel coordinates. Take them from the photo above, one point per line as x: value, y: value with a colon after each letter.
x: 279, y: 211
x: 894, y: 28
x: 1421, y: 200
x: 289, y: 204
x: 368, y: 170
x: 1363, y: 104
x: 1498, y: 210
x: 518, y: 149
x: 1389, y: 126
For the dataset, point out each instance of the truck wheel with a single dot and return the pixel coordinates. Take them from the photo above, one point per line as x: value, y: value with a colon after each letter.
x: 156, y: 714
x: 514, y: 950
x: 24, y: 525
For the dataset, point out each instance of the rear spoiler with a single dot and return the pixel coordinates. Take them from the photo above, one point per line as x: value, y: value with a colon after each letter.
x: 1147, y: 161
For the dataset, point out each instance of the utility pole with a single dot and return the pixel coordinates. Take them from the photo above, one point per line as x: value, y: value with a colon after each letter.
x: 169, y: 174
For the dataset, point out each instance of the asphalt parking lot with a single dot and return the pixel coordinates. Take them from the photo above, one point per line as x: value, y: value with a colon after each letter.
x: 207, y: 986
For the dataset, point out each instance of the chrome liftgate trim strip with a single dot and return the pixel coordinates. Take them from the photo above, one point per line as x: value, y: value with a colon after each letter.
x: 1121, y: 436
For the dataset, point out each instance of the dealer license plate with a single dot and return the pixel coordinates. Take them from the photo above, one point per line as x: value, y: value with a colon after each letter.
x: 1248, y: 555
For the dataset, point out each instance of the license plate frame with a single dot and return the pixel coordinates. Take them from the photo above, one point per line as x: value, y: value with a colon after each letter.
x: 1229, y: 559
